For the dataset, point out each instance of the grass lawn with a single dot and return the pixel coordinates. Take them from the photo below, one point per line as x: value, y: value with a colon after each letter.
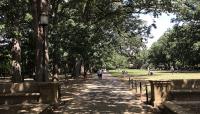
x: 134, y: 72
x: 158, y: 75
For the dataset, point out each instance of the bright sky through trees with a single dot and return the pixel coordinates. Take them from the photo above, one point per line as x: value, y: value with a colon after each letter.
x: 163, y: 23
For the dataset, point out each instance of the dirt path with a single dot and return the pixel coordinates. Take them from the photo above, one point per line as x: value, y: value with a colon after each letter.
x: 107, y: 96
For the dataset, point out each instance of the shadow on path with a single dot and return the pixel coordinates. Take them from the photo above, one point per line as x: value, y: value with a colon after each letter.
x: 107, y: 96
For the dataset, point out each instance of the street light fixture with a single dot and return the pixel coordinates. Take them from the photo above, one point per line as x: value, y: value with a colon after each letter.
x: 44, y: 19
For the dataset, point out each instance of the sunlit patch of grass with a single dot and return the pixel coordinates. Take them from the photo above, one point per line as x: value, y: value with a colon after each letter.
x: 113, y: 73
x: 157, y: 75
x: 133, y: 72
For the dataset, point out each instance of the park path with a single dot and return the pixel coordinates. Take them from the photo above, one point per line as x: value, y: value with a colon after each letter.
x: 107, y: 96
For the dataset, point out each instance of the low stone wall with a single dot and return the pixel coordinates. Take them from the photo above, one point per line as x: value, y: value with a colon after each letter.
x: 25, y: 109
x: 184, y: 95
x: 48, y: 91
x: 185, y: 84
x: 10, y: 87
x: 160, y: 89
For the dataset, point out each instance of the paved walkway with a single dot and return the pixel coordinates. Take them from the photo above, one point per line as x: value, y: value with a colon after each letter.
x: 107, y: 96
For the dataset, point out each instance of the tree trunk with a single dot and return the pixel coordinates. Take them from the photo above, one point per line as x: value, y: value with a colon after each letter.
x: 85, y: 72
x: 16, y: 67
x: 86, y: 68
x: 66, y: 71
x: 42, y: 57
x: 76, y: 67
x: 16, y: 47
x: 55, y: 72
x: 46, y: 56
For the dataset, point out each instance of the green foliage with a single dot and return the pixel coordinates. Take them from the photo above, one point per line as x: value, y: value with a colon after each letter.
x: 140, y: 60
x: 5, y: 58
x: 93, y: 30
x: 28, y: 17
x: 116, y: 61
x: 177, y: 47
x: 187, y: 10
x: 97, y: 32
x: 16, y: 22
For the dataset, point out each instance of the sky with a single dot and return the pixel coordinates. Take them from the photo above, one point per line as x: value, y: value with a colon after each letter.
x: 163, y: 23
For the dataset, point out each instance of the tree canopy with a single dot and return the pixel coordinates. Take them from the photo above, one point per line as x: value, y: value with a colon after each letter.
x: 93, y: 33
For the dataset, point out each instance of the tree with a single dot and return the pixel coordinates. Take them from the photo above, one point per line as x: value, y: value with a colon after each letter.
x: 177, y: 47
x: 13, y: 15
x: 42, y: 57
x: 84, y: 32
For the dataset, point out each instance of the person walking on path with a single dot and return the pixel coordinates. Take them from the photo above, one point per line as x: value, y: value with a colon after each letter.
x: 172, y: 69
x: 149, y: 71
x: 99, y: 74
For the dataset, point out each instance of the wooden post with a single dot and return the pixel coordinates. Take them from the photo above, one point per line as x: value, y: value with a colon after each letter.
x: 147, y: 97
x: 136, y: 86
x: 132, y: 83
x: 140, y: 88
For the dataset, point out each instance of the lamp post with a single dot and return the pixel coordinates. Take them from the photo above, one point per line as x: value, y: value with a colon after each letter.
x: 43, y: 22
